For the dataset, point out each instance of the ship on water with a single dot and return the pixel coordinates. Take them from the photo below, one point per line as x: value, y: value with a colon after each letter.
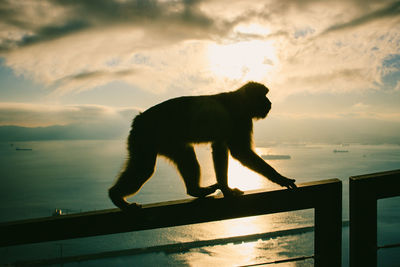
x: 23, y: 149
x: 340, y: 151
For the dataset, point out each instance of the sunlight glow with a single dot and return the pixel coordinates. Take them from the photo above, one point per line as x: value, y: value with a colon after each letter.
x: 246, y: 60
x: 246, y: 179
x: 249, y: 60
x: 243, y: 178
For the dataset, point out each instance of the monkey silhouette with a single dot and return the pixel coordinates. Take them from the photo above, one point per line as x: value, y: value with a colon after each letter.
x: 171, y: 128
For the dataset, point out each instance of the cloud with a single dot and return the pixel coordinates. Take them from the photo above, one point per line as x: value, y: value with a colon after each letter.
x: 159, y: 46
x: 360, y: 106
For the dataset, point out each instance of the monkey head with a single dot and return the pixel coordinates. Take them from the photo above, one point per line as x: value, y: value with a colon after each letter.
x: 255, y: 100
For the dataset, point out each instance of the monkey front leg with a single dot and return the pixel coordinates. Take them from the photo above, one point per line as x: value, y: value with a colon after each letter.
x: 251, y: 160
x: 220, y: 159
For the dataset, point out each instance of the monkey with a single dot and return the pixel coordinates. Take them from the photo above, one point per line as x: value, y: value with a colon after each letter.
x: 171, y: 128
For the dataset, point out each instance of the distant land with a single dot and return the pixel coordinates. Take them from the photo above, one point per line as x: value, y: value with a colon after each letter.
x: 264, y: 135
x: 61, y: 132
x: 274, y: 129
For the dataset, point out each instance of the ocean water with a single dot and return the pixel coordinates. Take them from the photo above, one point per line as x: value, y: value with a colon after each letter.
x: 74, y: 176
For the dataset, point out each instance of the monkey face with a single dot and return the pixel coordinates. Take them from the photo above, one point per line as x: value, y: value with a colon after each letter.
x: 262, y: 107
x: 256, y: 100
x: 267, y: 107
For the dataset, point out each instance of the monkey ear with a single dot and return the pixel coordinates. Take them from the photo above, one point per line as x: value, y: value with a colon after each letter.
x: 259, y: 86
x: 252, y: 89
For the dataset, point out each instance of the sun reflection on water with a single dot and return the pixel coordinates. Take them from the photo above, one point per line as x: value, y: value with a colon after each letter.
x: 248, y: 251
x: 241, y: 227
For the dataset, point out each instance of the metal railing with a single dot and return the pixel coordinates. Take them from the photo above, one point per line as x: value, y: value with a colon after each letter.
x: 325, y: 197
x: 365, y: 190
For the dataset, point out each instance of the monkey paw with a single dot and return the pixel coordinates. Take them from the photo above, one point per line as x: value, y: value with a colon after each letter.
x: 286, y: 182
x: 232, y: 192
x: 131, y: 207
x: 203, y: 191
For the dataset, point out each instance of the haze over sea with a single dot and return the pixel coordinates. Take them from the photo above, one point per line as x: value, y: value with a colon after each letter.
x: 74, y: 176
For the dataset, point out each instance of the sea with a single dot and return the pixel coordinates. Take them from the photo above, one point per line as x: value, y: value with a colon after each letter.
x: 74, y: 176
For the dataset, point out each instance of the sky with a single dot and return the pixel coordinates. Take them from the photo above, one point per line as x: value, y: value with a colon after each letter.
x: 332, y: 67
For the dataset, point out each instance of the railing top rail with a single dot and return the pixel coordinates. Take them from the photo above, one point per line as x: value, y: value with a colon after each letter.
x: 365, y: 190
x: 167, y: 214
x: 377, y: 175
x: 376, y: 185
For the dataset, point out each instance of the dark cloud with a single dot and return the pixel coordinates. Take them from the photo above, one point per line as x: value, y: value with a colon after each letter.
x: 86, y: 75
x: 87, y: 14
x: 92, y: 78
x: 53, y: 32
x: 390, y: 10
x: 177, y: 20
x: 13, y: 15
x: 89, y: 75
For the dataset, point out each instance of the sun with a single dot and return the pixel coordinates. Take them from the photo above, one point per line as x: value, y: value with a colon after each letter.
x: 244, y: 60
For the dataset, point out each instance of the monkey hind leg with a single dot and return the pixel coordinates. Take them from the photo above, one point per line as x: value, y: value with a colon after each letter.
x: 120, y: 201
x: 185, y: 159
x: 139, y: 169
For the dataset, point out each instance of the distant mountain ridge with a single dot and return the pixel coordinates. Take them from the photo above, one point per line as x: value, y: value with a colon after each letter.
x: 63, y: 132
x: 273, y: 130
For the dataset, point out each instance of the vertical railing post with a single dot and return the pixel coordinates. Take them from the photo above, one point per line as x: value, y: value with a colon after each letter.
x: 363, y: 224
x: 328, y: 227
x: 365, y: 191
